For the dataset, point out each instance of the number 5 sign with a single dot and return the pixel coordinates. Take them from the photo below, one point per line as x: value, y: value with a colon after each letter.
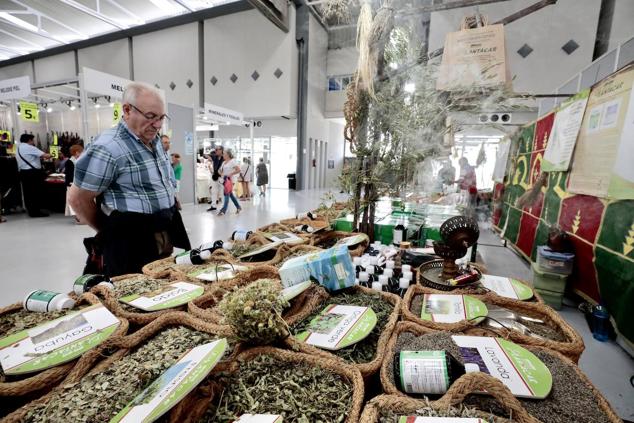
x: 117, y: 112
x: 29, y: 112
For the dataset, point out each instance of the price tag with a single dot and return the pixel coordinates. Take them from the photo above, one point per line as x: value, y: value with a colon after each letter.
x: 54, y: 151
x: 54, y: 138
x: 117, y: 112
x: 29, y: 112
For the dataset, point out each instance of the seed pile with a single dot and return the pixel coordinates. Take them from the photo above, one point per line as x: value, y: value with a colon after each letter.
x: 388, y: 416
x: 540, y: 329
x: 298, y: 392
x: 571, y: 399
x: 99, y: 397
x: 365, y: 350
x: 255, y: 312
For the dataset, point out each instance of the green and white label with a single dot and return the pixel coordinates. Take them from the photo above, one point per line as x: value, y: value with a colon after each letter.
x: 424, y: 372
x: 173, y: 385
x: 217, y: 272
x: 417, y: 419
x: 293, y: 291
x: 260, y: 418
x: 285, y: 237
x: 519, y: 369
x: 451, y: 308
x: 352, y: 240
x: 339, y: 326
x: 262, y: 249
x: 507, y: 287
x: 56, y: 342
x: 169, y: 296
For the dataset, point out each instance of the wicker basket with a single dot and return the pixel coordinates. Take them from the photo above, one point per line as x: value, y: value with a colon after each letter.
x: 123, y: 346
x: 390, y: 388
x: 275, y: 227
x: 195, y: 405
x: 162, y: 268
x: 572, y: 347
x: 110, y: 300
x: 355, y: 251
x: 46, y: 379
x: 302, y: 249
x: 366, y: 369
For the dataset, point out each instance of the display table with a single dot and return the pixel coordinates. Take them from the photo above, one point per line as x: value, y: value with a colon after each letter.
x: 54, y: 194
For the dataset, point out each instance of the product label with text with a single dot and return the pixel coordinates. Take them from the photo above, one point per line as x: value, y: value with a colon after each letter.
x: 452, y: 308
x: 169, y: 296
x: 507, y: 287
x: 339, y: 326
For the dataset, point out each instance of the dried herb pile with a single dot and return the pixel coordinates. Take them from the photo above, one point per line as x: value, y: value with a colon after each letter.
x: 294, y: 254
x: 14, y: 322
x: 298, y: 392
x: 255, y: 312
x: 99, y: 397
x: 388, y: 416
x: 571, y: 399
x: 140, y: 284
x: 239, y: 249
x: 543, y: 330
x: 365, y: 350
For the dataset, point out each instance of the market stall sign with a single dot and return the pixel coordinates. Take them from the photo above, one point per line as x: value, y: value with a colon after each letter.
x: 54, y: 151
x: 117, y: 112
x: 169, y: 296
x: 56, y: 342
x: 339, y: 326
x: 55, y: 141
x: 217, y: 272
x: 507, y: 287
x: 417, y: 419
x: 173, y: 385
x: 29, y: 112
x: 293, y: 291
x: 451, y: 308
x: 519, y: 369
x: 14, y: 88
x: 260, y: 418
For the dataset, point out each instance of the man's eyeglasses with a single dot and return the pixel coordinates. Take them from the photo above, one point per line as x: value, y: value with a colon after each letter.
x: 153, y: 117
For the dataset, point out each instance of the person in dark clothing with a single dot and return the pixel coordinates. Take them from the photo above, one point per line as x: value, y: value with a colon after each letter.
x: 216, y: 163
x: 29, y: 160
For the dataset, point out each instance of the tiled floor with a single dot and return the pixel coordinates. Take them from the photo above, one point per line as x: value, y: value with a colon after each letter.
x: 48, y: 253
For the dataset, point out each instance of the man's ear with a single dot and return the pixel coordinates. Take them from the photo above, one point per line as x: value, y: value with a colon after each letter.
x: 126, y: 109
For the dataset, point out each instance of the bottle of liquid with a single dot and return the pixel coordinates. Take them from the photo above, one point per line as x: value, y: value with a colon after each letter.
x: 357, y: 262
x: 384, y: 281
x: 399, y: 234
x: 427, y: 372
x: 364, y: 279
x: 308, y: 215
x: 45, y: 301
x: 600, y: 323
x: 241, y: 235
x: 304, y: 228
x: 85, y: 283
x: 195, y: 256
x: 465, y: 278
x: 403, y: 285
x: 212, y: 246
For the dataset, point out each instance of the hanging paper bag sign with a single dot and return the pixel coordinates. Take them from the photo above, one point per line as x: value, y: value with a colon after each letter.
x: 169, y: 296
x: 339, y: 326
x: 117, y: 112
x: 507, y: 287
x: 56, y: 342
x: 519, y: 369
x: 474, y: 58
x: 449, y: 308
x: 29, y: 112
x: 173, y: 385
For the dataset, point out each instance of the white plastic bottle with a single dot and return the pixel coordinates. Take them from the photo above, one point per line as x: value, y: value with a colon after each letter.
x: 43, y: 301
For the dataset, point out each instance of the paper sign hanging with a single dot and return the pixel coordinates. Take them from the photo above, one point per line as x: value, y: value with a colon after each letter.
x: 169, y: 296
x: 173, y: 385
x: 56, y: 342
x: 29, y: 112
x: 14, y: 88
x: 117, y: 112
x: 54, y: 151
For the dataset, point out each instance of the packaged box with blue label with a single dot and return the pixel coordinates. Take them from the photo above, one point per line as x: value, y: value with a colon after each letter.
x: 332, y: 268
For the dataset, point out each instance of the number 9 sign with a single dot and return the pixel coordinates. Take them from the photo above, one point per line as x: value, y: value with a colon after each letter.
x: 117, y: 111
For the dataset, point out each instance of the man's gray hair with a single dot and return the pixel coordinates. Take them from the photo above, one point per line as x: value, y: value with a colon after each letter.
x: 229, y: 153
x: 135, y: 88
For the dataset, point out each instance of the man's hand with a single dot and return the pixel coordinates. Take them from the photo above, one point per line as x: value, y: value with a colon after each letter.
x: 83, y: 203
x: 46, y: 156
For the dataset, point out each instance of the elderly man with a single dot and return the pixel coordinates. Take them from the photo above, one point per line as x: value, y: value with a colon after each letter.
x: 125, y: 190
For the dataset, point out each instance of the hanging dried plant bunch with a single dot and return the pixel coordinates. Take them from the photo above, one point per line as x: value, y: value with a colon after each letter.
x: 255, y: 312
x: 337, y: 11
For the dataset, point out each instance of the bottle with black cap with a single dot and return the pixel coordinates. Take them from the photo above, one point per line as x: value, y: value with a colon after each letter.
x: 195, y: 256
x: 403, y: 285
x: 241, y: 235
x: 212, y: 246
x: 399, y: 234
x: 309, y: 215
x: 428, y: 372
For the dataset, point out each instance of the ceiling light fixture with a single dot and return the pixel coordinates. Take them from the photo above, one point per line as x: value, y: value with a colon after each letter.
x: 19, y: 22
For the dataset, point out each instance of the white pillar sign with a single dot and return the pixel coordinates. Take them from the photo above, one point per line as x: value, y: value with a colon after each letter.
x: 223, y: 115
x: 104, y: 83
x: 14, y: 88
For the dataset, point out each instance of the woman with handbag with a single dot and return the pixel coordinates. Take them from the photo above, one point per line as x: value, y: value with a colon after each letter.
x: 246, y: 175
x: 229, y: 170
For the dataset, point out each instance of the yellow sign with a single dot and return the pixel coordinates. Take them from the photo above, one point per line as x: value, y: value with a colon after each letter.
x: 117, y: 112
x: 5, y: 136
x: 54, y: 151
x: 29, y: 112
x: 54, y: 138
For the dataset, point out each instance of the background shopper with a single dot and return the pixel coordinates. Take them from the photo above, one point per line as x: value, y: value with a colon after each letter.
x: 262, y: 176
x: 229, y: 171
x: 32, y: 176
x: 246, y: 176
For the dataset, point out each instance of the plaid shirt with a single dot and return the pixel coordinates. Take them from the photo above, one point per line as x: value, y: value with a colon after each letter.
x: 131, y: 176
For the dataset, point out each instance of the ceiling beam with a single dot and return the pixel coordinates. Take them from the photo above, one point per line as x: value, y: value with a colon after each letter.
x: 24, y: 40
x: 94, y: 13
x: 38, y: 32
x: 48, y: 90
x: 41, y: 15
x: 128, y: 12
x: 185, y: 5
x: 446, y: 6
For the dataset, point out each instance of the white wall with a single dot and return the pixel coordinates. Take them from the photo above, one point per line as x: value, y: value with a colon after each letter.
x: 240, y: 44
x: 169, y: 55
x: 546, y: 31
x: 269, y: 128
x: 342, y: 61
x: 316, y: 124
x: 54, y: 68
x: 335, y: 152
x: 622, y: 23
x: 19, y: 69
x: 112, y: 58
